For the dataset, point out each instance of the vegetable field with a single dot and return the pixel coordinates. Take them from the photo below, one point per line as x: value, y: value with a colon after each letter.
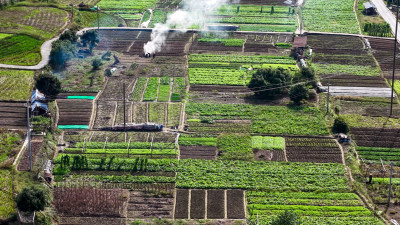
x: 6, y: 195
x: 20, y: 50
x: 330, y: 16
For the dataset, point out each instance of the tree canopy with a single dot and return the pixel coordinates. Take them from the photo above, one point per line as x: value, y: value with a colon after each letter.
x: 62, y: 51
x: 48, y: 84
x: 33, y: 198
x: 269, y: 82
x: 90, y: 38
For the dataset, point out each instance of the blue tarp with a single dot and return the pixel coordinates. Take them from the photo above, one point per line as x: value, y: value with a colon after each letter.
x: 37, y: 96
x: 39, y: 104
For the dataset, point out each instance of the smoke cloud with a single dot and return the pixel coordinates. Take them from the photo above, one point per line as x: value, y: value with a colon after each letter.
x: 193, y: 12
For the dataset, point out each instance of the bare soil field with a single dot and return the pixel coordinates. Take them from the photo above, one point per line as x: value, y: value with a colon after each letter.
x: 74, y: 112
x: 383, y: 52
x: 36, y: 143
x: 353, y: 81
x: 376, y: 137
x: 145, y: 205
x: 198, y: 152
x: 13, y: 115
x: 313, y: 150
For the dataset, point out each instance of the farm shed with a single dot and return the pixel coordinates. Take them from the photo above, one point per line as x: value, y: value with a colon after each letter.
x: 299, y: 45
x: 39, y: 105
x: 369, y: 8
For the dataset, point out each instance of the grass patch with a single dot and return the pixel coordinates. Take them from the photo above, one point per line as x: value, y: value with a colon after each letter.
x: 267, y: 143
x: 15, y: 85
x: 6, y: 194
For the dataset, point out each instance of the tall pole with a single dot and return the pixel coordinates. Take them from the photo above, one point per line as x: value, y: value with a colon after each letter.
x: 327, y: 103
x: 123, y: 90
x: 29, y: 135
x: 98, y: 22
x: 394, y: 57
x: 390, y: 183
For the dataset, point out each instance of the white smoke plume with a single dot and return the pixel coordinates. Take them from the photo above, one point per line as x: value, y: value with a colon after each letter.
x: 193, y: 12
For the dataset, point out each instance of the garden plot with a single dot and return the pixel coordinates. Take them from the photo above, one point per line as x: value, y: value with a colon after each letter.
x: 13, y: 115
x: 263, y: 2
x: 317, y: 150
x: 147, y: 205
x: 383, y: 52
x: 192, y: 147
x: 256, y: 18
x: 313, y: 208
x: 105, y: 114
x: 36, y: 143
x: 43, y: 22
x: 376, y: 137
x: 219, y: 93
x: 330, y: 16
x: 334, y: 42
x: 74, y: 112
x: 373, y: 107
x: 114, y: 88
x: 268, y: 148
x: 353, y: 81
x: 209, y: 204
x: 264, y: 119
x: 205, y: 69
x: 10, y: 144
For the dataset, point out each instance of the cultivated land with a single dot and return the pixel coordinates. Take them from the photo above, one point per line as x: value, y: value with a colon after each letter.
x: 224, y: 155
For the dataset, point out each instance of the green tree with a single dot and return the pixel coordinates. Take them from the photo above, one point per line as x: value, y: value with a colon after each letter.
x: 61, y: 52
x: 269, y: 82
x: 298, y: 93
x: 33, y: 198
x: 287, y: 218
x: 48, y: 84
x: 340, y: 125
x: 272, y: 9
x: 90, y: 38
x: 69, y: 35
x: 96, y: 63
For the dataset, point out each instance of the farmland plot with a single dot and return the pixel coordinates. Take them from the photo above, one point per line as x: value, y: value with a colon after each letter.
x: 383, y: 52
x: 6, y: 195
x: 12, y: 115
x: 15, y: 85
x: 74, y: 112
x: 285, y: 120
x: 328, y: 16
x: 9, y: 146
x: 257, y: 18
x: 41, y: 22
x: 313, y: 208
x: 313, y: 150
x: 20, y: 50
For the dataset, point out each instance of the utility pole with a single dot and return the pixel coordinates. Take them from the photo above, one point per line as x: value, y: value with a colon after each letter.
x: 123, y: 90
x: 327, y: 102
x: 390, y: 183
x: 394, y: 57
x: 98, y: 22
x: 29, y: 135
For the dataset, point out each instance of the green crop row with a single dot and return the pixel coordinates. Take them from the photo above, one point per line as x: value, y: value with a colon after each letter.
x: 203, y: 141
x: 251, y: 10
x: 151, y: 90
x: 267, y: 143
x: 126, y: 5
x: 139, y: 88
x: 226, y: 42
x: 20, y: 50
x: 174, y: 114
x: 123, y: 151
x: 219, y: 76
x: 336, y: 69
x: 320, y: 220
x: 163, y: 93
x: 265, y: 119
x: 124, y: 145
x: 256, y: 20
x: 258, y: 175
x: 178, y: 89
x: 122, y: 179
x: 260, y: 59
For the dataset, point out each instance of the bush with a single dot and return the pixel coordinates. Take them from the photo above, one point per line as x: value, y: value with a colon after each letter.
x: 96, y: 63
x: 340, y: 126
x: 33, y: 198
x: 287, y: 218
x: 48, y: 84
x: 62, y: 51
x: 298, y: 93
